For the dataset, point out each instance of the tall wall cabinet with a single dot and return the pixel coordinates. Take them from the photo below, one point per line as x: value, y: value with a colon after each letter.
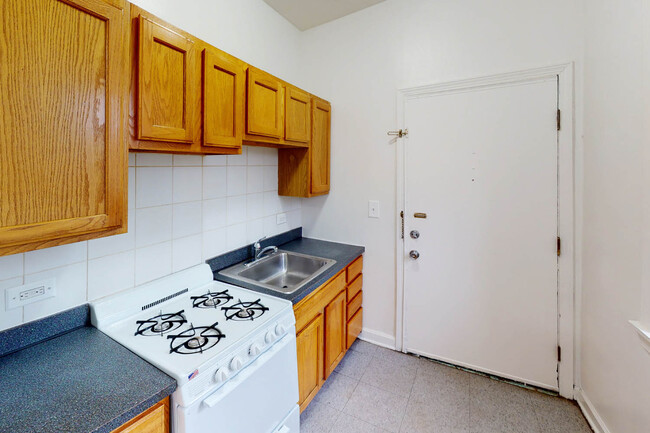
x: 62, y: 154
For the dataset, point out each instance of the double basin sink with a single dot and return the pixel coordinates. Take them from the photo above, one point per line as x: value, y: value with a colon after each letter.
x: 282, y: 271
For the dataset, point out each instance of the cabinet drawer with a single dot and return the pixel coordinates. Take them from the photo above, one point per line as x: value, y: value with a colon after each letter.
x: 355, y: 287
x: 354, y: 327
x: 354, y: 269
x: 355, y: 304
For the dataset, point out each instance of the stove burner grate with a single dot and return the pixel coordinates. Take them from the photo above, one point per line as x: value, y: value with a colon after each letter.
x: 160, y: 324
x: 211, y: 299
x: 195, y: 339
x: 244, y: 310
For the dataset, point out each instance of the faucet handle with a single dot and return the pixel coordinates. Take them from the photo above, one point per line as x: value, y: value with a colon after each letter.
x: 257, y: 245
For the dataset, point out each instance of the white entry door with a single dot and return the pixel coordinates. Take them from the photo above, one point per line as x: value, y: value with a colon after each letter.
x: 483, y: 166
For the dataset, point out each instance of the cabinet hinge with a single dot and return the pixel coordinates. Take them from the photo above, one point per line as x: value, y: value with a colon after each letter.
x: 401, y: 214
x: 559, y: 246
x: 559, y: 119
x: 559, y: 354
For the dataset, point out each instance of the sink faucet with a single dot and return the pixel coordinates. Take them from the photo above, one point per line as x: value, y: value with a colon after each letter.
x: 260, y: 252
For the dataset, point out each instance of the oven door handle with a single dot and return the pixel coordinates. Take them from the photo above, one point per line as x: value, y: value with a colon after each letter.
x: 214, y: 398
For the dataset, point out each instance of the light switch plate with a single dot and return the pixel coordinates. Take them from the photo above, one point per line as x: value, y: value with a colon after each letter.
x: 281, y: 218
x: 29, y: 293
x: 373, y: 208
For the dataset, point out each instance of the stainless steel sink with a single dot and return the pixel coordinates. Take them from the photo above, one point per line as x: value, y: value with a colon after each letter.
x: 283, y: 271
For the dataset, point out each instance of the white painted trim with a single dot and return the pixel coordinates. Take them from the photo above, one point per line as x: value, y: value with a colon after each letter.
x: 566, y: 191
x: 643, y: 332
x: 589, y: 411
x: 379, y: 338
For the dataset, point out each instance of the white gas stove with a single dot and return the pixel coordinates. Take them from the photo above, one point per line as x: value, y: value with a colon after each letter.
x: 229, y: 349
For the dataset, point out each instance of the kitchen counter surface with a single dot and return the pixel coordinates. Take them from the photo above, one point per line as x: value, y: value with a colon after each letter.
x: 344, y: 254
x: 78, y: 380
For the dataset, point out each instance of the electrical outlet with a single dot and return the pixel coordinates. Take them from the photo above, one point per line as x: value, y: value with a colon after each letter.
x: 373, y: 208
x: 29, y: 293
x: 281, y: 218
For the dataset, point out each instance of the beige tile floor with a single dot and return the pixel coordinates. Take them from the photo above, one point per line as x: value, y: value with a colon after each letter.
x: 380, y: 390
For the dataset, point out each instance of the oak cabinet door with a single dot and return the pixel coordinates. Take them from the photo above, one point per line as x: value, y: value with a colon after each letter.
x: 166, y: 84
x: 153, y: 420
x: 335, y: 332
x: 224, y: 90
x: 320, y: 147
x: 309, y: 344
x: 297, y: 115
x: 62, y: 154
x: 265, y: 100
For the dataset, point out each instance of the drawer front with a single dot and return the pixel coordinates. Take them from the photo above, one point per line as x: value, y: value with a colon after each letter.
x: 355, y: 287
x: 355, y: 304
x: 354, y: 269
x: 312, y: 305
x: 354, y: 327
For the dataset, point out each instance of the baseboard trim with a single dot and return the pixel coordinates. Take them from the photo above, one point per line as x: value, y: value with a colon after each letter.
x: 589, y: 411
x: 378, y: 338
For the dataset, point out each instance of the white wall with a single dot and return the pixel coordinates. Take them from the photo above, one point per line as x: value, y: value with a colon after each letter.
x: 184, y: 209
x: 616, y: 262
x: 358, y: 63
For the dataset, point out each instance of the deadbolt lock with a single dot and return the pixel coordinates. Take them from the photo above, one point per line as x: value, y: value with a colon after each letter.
x: 415, y: 234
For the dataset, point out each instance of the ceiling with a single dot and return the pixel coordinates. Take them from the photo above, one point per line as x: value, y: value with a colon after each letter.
x: 306, y: 14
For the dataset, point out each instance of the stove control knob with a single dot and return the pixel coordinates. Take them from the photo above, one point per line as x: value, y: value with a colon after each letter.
x: 220, y: 375
x: 254, y: 349
x: 280, y: 329
x: 270, y: 337
x: 236, y: 363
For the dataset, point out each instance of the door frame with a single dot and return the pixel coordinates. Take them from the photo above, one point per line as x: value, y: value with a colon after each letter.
x: 566, y: 199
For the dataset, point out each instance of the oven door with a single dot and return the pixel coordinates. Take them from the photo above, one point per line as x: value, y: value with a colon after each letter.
x: 256, y: 400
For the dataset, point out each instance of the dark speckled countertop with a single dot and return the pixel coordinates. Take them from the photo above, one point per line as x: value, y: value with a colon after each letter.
x: 77, y: 380
x: 344, y: 254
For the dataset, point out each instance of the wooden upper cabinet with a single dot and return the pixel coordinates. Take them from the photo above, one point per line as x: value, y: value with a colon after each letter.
x: 63, y: 162
x: 166, y: 84
x: 320, y: 147
x: 297, y: 115
x: 265, y: 108
x: 224, y: 93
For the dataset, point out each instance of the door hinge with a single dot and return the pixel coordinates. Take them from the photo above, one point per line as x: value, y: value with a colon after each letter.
x: 559, y: 246
x: 559, y: 354
x: 401, y: 214
x: 559, y: 119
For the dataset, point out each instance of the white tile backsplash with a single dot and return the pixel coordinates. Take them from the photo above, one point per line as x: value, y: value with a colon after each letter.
x: 183, y: 209
x: 11, y: 266
x: 187, y: 184
x: 187, y: 219
x: 111, y: 274
x: 70, y: 290
x: 153, y: 225
x: 153, y: 186
x: 40, y: 260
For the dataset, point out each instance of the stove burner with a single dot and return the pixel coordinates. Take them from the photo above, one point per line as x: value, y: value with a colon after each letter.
x: 160, y: 324
x: 245, y: 310
x: 211, y: 299
x: 195, y: 339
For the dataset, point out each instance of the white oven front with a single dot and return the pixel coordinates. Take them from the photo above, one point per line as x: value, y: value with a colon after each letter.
x: 261, y: 398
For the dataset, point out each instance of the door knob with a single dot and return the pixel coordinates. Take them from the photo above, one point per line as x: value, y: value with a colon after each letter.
x: 414, y: 254
x: 415, y: 234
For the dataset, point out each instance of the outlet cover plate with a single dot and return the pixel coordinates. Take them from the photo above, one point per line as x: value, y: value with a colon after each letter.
x: 30, y: 293
x: 373, y: 208
x: 281, y: 218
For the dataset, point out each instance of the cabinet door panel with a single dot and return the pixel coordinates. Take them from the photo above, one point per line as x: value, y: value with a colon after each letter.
x: 153, y: 420
x: 320, y: 147
x: 297, y: 115
x: 335, y: 330
x: 265, y: 104
x: 224, y: 91
x: 166, y: 89
x: 309, y: 344
x: 62, y: 158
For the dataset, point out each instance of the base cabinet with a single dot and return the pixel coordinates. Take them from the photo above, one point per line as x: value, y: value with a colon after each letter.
x: 327, y: 323
x: 153, y: 420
